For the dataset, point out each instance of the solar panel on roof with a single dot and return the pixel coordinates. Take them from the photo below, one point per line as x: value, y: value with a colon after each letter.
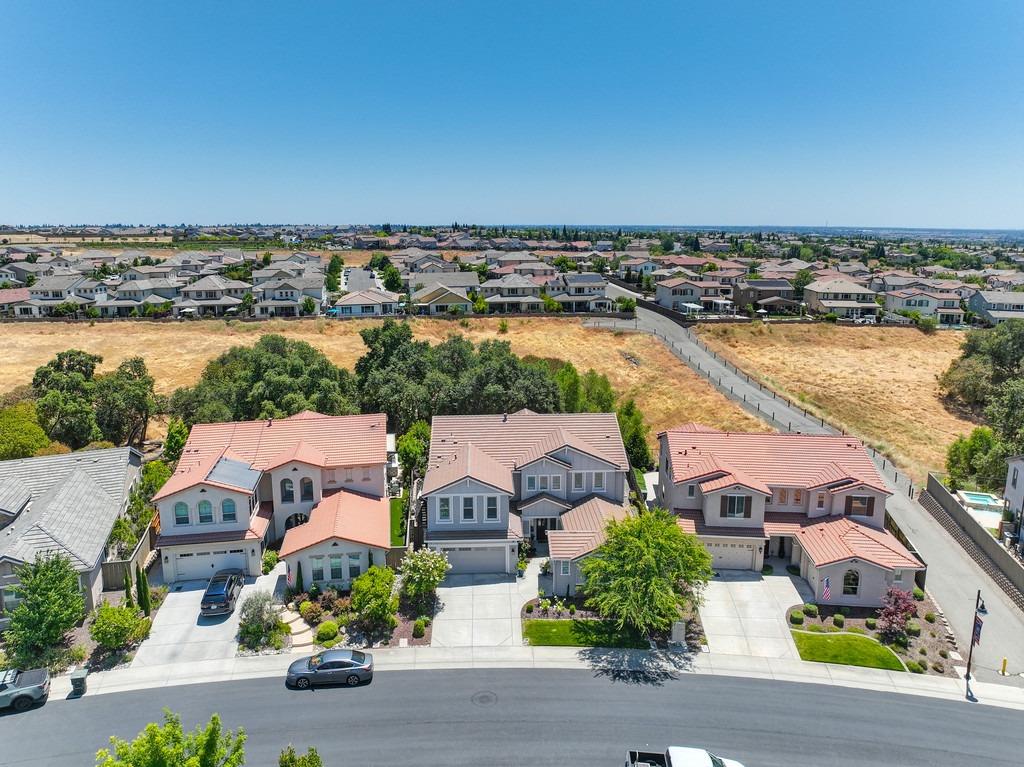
x: 234, y: 473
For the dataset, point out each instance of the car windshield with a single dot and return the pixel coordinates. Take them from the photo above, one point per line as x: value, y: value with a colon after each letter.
x: 315, y: 661
x: 358, y: 657
x: 217, y: 587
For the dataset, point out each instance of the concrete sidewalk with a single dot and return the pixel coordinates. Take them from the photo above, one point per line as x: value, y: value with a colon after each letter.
x: 652, y: 667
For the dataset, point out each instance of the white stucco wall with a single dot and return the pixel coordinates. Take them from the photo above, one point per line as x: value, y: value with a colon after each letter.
x: 368, y: 556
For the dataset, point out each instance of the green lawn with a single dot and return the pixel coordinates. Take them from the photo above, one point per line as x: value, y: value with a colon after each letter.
x: 580, y: 633
x: 397, y: 521
x: 849, y: 649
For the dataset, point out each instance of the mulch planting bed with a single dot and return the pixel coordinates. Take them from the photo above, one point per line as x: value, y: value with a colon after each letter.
x: 931, y: 650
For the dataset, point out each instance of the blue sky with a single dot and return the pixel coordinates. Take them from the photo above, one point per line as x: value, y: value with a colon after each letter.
x: 789, y: 113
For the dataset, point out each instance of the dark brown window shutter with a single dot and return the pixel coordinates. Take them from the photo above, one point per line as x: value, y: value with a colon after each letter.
x: 849, y: 505
x: 747, y: 503
x: 871, y: 507
x: 725, y: 505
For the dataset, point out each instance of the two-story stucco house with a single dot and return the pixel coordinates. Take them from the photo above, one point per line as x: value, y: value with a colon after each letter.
x: 690, y: 295
x: 211, y: 295
x: 512, y: 293
x: 581, y: 292
x: 814, y: 501
x: 944, y: 307
x: 239, y: 486
x: 494, y: 480
x: 841, y: 298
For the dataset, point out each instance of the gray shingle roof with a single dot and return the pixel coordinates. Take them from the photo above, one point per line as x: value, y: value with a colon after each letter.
x: 75, y: 500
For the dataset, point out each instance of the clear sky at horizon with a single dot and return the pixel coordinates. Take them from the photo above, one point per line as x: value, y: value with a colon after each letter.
x: 721, y: 112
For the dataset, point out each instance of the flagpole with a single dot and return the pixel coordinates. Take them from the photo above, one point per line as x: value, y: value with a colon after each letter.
x: 970, y: 652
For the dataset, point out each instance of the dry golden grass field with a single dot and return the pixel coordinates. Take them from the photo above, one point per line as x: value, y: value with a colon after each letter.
x: 637, y: 366
x: 879, y: 383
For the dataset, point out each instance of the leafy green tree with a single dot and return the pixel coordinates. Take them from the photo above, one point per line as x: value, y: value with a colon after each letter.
x: 646, y: 571
x: 413, y: 448
x: 422, y: 572
x: 116, y: 627
x: 1005, y: 413
x: 373, y: 602
x: 598, y: 395
x: 308, y: 306
x: 291, y: 759
x: 392, y: 279
x: 70, y: 371
x: 245, y: 308
x: 177, y: 436
x: 125, y: 401
x: 568, y: 380
x: 168, y: 744
x: 634, y: 435
x: 128, y: 589
x: 803, y: 278
x: 68, y: 418
x: 21, y: 435
x: 51, y: 605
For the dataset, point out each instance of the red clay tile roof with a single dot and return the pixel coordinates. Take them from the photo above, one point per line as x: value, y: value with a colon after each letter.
x: 13, y: 295
x: 320, y: 440
x: 512, y: 440
x: 771, y: 460
x: 828, y: 540
x: 344, y: 515
x: 692, y: 521
x: 583, y: 528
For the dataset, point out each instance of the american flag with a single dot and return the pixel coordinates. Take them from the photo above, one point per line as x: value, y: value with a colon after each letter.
x: 827, y: 591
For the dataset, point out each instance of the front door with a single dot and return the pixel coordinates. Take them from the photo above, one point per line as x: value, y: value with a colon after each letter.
x: 540, y: 530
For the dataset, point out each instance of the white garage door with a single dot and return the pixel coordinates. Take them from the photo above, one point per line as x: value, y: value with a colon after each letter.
x: 476, y: 560
x: 731, y: 556
x: 200, y: 565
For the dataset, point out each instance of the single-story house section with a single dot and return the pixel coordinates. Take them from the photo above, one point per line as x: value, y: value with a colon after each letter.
x: 62, y: 504
x: 347, y: 533
x: 583, y: 530
x: 362, y: 303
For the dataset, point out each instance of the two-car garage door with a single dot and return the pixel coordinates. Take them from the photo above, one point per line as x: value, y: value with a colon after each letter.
x: 475, y: 560
x: 730, y: 556
x: 199, y: 565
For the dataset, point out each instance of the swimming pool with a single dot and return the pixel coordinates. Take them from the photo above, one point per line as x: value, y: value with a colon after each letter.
x: 977, y: 500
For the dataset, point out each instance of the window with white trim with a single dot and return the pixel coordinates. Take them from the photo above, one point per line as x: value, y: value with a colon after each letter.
x: 355, y: 566
x: 851, y: 583
x: 821, y: 501
x: 332, y: 476
x: 318, y: 568
x: 227, y: 510
x: 565, y: 566
x: 205, y: 509
x: 444, y: 509
x: 180, y: 513
x: 492, y: 508
x: 577, y: 480
x: 337, y: 567
x: 543, y: 482
x: 691, y: 491
x: 468, y: 509
x: 531, y: 483
x: 556, y: 482
x: 735, y: 506
x: 858, y: 505
x: 897, y: 576
x: 798, y: 497
x: 782, y: 496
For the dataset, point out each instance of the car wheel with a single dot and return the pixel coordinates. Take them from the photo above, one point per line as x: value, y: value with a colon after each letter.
x: 352, y: 680
x: 22, y: 704
x: 302, y: 683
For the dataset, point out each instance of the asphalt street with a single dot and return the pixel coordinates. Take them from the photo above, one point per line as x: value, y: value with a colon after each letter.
x: 538, y: 717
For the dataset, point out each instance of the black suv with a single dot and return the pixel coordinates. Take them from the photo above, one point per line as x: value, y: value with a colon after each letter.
x: 222, y: 593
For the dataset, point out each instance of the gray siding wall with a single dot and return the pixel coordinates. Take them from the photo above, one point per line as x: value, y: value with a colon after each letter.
x: 467, y: 488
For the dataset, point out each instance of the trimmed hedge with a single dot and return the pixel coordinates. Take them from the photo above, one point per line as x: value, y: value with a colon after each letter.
x: 811, y: 610
x: 418, y: 628
x: 871, y: 623
x: 930, y: 617
x: 918, y: 594
x: 326, y: 631
x: 913, y: 629
x: 838, y: 620
x: 796, y: 618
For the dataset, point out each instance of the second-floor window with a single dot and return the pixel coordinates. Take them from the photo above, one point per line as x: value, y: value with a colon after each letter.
x: 577, y: 480
x: 306, y: 489
x: 691, y: 491
x: 180, y: 514
x: 287, y: 491
x: 783, y: 497
x: 205, y: 512
x: 492, y: 508
x: 858, y: 505
x: 468, y: 509
x: 798, y: 497
x: 444, y: 509
x: 565, y: 566
x: 735, y: 506
x: 556, y: 482
x: 821, y: 501
x: 599, y: 480
x: 227, y: 510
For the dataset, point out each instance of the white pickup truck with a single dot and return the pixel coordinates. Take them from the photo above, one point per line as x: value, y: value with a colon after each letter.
x: 678, y: 756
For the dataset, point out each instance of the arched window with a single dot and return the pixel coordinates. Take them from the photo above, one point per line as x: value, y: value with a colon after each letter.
x: 295, y: 520
x: 287, y: 491
x: 205, y: 512
x: 227, y: 510
x: 851, y: 583
x: 306, y: 489
x: 180, y: 513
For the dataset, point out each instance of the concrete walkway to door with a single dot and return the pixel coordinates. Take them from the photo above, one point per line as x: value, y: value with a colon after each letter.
x: 744, y: 613
x: 483, y: 610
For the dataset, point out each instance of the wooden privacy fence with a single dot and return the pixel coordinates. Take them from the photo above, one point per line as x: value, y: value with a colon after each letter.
x: 113, y: 571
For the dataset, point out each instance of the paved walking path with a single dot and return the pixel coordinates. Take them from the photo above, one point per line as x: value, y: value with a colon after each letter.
x: 656, y: 666
x: 953, y: 577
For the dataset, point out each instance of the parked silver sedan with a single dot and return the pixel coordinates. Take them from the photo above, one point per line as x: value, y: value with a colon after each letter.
x: 350, y: 667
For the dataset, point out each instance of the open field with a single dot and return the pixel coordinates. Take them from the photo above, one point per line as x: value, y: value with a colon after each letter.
x: 878, y: 383
x: 637, y: 365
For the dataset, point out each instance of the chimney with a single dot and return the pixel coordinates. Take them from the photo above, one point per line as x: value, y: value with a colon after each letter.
x: 270, y: 422
x: 504, y: 417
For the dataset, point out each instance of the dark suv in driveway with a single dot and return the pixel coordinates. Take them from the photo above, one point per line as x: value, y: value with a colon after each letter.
x: 222, y: 593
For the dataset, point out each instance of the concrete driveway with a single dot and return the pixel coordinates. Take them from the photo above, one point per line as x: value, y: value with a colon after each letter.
x: 744, y: 613
x: 180, y: 635
x: 483, y: 610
